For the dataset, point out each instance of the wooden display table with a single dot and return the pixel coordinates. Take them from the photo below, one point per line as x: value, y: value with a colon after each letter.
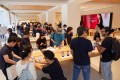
x: 91, y: 32
x: 116, y: 32
x: 38, y: 56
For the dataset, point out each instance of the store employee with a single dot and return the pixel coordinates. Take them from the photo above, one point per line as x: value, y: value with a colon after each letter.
x: 6, y: 55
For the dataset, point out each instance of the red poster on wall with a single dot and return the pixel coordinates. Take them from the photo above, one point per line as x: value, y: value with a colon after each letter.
x: 91, y: 21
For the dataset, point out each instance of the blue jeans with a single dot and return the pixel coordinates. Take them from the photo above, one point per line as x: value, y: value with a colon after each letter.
x: 85, y: 71
x: 106, y: 70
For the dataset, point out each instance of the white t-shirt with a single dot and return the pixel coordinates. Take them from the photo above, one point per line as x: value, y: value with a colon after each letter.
x: 20, y: 67
x: 63, y: 31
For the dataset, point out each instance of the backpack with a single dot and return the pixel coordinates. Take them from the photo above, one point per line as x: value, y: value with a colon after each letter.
x: 115, y: 55
x: 25, y: 75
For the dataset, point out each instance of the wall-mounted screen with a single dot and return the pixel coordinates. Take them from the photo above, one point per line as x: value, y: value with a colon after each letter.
x: 92, y: 20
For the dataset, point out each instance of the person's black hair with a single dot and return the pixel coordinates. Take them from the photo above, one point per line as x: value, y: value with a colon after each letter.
x: 49, y: 54
x: 12, y: 39
x: 81, y: 22
x: 69, y: 29
x: 41, y: 35
x: 64, y: 25
x: 18, y: 39
x: 25, y: 33
x: 9, y: 30
x: 80, y: 30
x: 119, y: 29
x: 46, y: 24
x: 109, y: 30
x: 100, y: 25
x: 50, y: 24
x: 25, y: 52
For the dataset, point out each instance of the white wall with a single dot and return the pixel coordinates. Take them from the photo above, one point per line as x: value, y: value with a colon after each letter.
x: 43, y: 18
x: 71, y: 15
x: 31, y: 18
x: 4, y: 17
x: 51, y: 17
x: 16, y: 19
x: 12, y: 18
x: 58, y: 17
x: 64, y: 14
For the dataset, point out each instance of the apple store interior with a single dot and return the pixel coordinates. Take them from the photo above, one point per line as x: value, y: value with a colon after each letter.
x: 59, y: 39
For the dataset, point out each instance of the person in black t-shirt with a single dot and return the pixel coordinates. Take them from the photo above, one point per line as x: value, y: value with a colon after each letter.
x: 105, y: 51
x: 39, y: 29
x: 11, y: 33
x: 25, y: 39
x: 68, y: 36
x: 81, y: 49
x: 17, y: 49
x: 41, y: 42
x: 18, y: 28
x: 53, y: 67
x: 97, y: 34
x: 6, y: 55
x: 49, y: 29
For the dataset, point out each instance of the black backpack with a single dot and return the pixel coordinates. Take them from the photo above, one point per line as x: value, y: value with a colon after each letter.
x: 115, y: 55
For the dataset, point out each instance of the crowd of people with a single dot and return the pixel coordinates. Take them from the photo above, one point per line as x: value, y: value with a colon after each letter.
x: 17, y: 51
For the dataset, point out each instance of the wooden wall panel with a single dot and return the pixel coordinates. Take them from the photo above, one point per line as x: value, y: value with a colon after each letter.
x: 28, y: 7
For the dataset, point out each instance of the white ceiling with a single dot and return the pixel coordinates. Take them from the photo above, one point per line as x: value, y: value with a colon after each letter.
x: 52, y: 3
x: 34, y: 2
x: 94, y: 5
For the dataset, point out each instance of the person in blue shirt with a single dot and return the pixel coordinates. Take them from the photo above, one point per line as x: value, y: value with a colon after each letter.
x: 58, y: 38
